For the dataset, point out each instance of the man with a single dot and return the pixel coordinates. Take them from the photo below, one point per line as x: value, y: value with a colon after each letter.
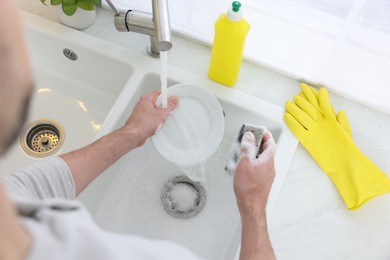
x: 38, y: 220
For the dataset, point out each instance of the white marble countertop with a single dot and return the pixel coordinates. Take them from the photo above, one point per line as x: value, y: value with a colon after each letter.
x: 310, y: 220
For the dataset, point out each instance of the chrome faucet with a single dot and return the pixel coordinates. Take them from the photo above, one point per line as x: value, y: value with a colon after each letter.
x: 155, y: 24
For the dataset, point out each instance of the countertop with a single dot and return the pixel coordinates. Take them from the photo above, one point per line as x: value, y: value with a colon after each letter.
x: 310, y: 220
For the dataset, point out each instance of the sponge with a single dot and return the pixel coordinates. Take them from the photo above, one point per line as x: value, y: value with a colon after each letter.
x: 235, y: 149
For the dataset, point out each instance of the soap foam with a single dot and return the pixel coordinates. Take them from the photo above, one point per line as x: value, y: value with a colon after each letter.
x: 183, y: 197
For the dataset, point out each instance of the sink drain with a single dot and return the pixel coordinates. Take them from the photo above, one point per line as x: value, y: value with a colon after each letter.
x: 42, y: 138
x: 70, y: 54
x: 182, y: 197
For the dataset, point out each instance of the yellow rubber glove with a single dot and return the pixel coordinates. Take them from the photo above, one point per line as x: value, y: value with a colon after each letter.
x: 356, y: 177
x: 311, y: 95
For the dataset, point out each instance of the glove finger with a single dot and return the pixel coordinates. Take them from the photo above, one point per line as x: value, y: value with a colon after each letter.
x: 307, y: 107
x: 315, y: 94
x: 311, y: 95
x: 342, y: 119
x: 296, y: 128
x: 302, y: 117
x: 333, y: 111
x: 326, y: 106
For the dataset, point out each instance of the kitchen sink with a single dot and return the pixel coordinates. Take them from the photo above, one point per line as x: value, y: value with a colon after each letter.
x: 94, y: 94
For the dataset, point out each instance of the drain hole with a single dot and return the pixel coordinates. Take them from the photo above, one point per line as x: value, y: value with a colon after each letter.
x: 182, y: 197
x: 70, y: 54
x: 42, y: 138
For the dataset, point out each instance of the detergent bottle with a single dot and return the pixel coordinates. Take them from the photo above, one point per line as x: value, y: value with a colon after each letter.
x: 229, y: 40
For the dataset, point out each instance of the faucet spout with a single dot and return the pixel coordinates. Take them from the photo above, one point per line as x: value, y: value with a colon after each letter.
x: 162, y: 25
x: 155, y: 24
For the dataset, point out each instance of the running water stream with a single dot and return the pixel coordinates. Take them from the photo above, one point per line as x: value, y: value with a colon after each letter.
x: 164, y: 78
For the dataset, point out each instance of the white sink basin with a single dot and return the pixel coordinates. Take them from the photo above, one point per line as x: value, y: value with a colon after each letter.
x: 78, y: 94
x: 131, y: 203
x: 126, y: 198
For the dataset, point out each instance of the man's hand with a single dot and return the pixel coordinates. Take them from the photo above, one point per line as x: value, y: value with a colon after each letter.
x: 147, y: 118
x: 254, y: 177
x: 252, y: 184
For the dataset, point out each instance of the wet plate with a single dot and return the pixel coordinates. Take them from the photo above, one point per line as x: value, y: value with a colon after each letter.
x: 193, y: 132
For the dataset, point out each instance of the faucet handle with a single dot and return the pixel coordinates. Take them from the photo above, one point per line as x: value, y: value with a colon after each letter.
x: 113, y: 8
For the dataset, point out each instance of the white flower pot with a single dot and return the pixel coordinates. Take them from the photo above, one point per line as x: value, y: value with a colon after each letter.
x: 79, y: 20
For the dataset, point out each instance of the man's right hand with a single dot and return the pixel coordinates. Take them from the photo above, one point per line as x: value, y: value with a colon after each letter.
x: 252, y: 184
x: 254, y: 176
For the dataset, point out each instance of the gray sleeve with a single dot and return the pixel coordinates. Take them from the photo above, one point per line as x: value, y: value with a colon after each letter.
x: 50, y: 178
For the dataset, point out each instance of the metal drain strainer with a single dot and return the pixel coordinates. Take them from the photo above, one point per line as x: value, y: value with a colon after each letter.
x: 42, y: 138
x: 182, y: 197
x: 70, y: 54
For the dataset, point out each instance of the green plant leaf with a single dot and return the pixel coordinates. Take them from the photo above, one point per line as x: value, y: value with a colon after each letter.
x: 69, y: 2
x: 69, y: 10
x: 55, y: 2
x: 86, y: 5
x: 97, y: 2
x: 43, y: 2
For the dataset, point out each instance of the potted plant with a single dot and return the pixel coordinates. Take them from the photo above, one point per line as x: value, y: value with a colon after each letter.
x: 78, y: 14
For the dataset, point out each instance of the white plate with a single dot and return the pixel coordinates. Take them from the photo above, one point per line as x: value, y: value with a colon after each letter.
x: 193, y: 132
